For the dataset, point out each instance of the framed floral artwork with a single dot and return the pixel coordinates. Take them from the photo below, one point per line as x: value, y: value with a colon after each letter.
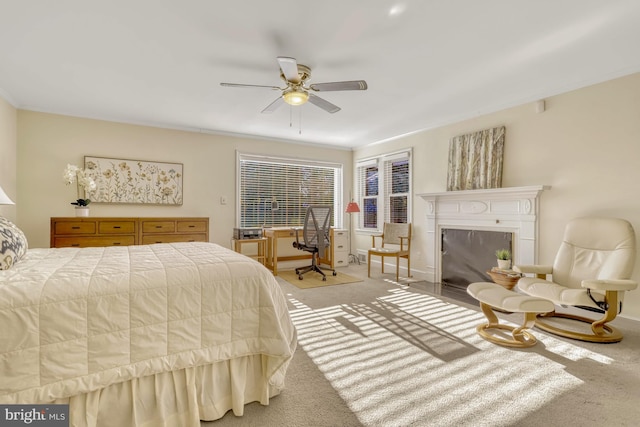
x: 134, y: 181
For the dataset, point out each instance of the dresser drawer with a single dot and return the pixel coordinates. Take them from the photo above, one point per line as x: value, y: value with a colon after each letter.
x: 340, y: 245
x: 341, y: 235
x: 75, y: 227
x: 191, y: 226
x: 341, y: 259
x: 173, y: 238
x: 85, y: 242
x: 158, y: 227
x: 117, y: 227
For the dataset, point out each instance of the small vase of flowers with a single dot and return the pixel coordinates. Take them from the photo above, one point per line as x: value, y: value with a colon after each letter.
x: 72, y: 174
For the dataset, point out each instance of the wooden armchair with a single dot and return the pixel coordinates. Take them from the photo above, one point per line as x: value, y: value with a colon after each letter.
x: 397, y: 235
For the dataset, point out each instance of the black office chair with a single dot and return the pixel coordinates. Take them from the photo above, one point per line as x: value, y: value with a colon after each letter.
x: 315, y: 232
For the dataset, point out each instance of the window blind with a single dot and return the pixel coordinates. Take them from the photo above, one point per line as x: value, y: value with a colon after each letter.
x: 276, y: 191
x: 397, y: 188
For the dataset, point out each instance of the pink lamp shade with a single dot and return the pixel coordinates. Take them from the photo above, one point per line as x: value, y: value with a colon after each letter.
x: 352, y: 207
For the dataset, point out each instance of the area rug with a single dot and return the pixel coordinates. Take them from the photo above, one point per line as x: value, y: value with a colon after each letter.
x: 314, y: 280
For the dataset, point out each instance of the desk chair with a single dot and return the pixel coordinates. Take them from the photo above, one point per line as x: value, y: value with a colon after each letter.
x: 315, y: 233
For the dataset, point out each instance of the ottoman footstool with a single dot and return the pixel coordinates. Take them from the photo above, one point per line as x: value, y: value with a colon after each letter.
x: 491, y: 295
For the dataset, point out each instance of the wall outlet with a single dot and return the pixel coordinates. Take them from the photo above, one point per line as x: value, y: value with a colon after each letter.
x: 223, y: 200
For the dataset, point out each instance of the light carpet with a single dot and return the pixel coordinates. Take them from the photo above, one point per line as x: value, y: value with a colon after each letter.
x: 382, y: 354
x: 314, y: 280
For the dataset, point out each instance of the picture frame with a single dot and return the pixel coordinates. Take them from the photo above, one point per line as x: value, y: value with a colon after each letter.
x: 475, y: 160
x: 134, y: 181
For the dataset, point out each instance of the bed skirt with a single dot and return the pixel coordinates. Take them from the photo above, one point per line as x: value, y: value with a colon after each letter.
x: 178, y: 398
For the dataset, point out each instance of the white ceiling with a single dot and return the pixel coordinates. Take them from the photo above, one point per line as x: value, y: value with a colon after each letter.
x: 427, y: 62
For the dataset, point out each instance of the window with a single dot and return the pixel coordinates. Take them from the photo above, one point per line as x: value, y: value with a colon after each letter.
x: 384, y: 188
x: 276, y: 191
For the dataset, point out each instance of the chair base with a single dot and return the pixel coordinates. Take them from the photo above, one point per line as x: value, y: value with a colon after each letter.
x: 314, y: 267
x: 602, y: 333
x: 520, y: 337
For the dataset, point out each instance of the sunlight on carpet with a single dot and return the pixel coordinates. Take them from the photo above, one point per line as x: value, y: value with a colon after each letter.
x: 314, y: 280
x: 413, y: 359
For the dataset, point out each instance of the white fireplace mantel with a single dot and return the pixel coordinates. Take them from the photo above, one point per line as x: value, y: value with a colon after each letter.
x: 511, y: 209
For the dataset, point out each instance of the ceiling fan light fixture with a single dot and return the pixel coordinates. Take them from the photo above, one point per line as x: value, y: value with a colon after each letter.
x: 295, y: 97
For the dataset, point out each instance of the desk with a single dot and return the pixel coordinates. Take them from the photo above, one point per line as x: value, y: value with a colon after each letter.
x: 272, y: 258
x: 260, y: 242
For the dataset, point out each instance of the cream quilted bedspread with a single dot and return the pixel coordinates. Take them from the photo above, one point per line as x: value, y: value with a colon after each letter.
x: 76, y: 320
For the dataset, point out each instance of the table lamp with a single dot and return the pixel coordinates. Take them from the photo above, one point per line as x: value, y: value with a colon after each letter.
x: 352, y: 207
x: 4, y: 199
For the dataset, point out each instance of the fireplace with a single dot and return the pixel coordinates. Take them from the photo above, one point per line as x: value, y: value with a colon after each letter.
x: 512, y: 210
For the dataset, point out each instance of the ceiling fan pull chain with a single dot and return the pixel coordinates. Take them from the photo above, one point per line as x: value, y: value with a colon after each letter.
x: 300, y: 122
x: 290, y: 116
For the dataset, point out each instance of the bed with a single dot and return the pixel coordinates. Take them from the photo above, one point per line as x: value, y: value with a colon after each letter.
x: 153, y: 335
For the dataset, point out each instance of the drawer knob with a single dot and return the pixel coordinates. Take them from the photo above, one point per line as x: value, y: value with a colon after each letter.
x: 116, y: 226
x: 75, y: 244
x: 75, y: 227
x: 116, y: 243
x: 191, y: 226
x: 158, y: 226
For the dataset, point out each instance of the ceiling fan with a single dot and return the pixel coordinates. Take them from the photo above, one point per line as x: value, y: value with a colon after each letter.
x: 297, y: 92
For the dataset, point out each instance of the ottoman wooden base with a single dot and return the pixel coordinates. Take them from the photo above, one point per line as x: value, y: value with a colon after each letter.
x: 490, y: 296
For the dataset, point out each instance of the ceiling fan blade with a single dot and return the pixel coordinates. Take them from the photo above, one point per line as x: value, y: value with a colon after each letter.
x: 245, y: 86
x: 273, y: 106
x: 323, y: 103
x: 289, y: 67
x: 334, y: 86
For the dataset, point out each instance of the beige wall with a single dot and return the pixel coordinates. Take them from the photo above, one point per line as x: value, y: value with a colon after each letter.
x: 47, y: 142
x: 585, y: 146
x: 8, y: 141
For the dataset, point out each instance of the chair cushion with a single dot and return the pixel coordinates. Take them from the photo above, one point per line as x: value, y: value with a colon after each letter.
x: 390, y: 251
x: 595, y: 248
x: 560, y: 295
x: 393, y: 231
x: 499, y: 297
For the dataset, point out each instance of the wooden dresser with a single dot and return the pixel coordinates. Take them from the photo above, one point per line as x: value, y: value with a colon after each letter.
x: 116, y: 231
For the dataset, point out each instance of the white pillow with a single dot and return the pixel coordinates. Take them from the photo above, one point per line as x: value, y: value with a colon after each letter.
x: 13, y: 244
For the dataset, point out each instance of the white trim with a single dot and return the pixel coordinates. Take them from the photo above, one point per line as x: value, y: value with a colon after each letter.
x: 286, y: 160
